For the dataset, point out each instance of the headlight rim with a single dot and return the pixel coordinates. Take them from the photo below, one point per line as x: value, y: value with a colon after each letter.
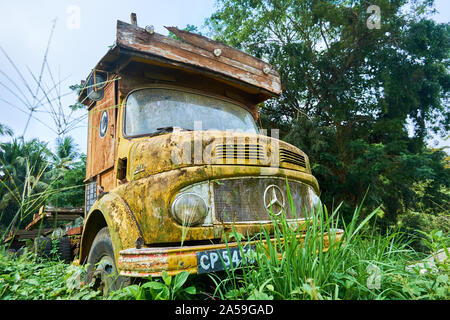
x: 180, y: 221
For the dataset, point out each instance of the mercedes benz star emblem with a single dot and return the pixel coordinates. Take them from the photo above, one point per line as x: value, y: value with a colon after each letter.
x: 274, y: 199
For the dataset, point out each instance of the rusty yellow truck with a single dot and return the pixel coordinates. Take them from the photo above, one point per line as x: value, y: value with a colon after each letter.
x: 175, y: 157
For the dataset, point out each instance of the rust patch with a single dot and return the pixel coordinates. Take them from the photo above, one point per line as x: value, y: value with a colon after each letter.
x: 152, y: 261
x: 149, y: 156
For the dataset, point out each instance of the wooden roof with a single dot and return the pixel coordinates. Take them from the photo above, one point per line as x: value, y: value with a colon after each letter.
x: 194, y: 53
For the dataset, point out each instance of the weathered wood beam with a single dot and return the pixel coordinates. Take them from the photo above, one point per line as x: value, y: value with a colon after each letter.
x: 231, y: 62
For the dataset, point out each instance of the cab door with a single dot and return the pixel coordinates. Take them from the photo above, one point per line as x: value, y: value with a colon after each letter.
x: 102, y: 140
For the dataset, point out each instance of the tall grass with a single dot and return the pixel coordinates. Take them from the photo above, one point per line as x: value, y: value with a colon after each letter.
x: 290, y: 261
x: 295, y: 262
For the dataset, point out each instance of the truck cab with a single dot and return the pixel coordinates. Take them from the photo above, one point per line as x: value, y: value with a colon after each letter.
x: 176, y: 159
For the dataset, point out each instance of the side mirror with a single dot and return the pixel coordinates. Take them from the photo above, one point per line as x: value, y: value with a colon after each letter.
x: 95, y: 86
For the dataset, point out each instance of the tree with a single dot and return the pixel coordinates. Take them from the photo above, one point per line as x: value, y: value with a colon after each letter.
x: 23, y: 167
x: 32, y: 176
x: 69, y: 171
x: 4, y: 130
x: 65, y: 154
x: 350, y: 91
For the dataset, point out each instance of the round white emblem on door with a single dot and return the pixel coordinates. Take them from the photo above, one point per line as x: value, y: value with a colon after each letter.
x: 103, y: 123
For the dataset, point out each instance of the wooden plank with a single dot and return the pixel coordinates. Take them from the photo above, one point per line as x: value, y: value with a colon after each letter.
x: 36, y: 221
x: 27, y: 234
x: 51, y: 217
x: 63, y: 210
x: 258, y: 94
x: 63, y: 217
x: 48, y: 213
x: 226, y: 51
x: 237, y: 66
x: 89, y: 163
x: 107, y: 180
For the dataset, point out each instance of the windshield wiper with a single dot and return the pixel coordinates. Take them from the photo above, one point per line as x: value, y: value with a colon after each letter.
x: 170, y: 129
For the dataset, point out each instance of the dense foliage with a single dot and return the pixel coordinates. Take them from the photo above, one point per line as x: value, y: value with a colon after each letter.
x: 362, y: 102
x: 363, y: 265
x: 360, y: 265
x: 26, y: 277
x: 31, y: 176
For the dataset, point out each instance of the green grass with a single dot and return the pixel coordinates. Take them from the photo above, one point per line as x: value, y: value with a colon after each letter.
x: 28, y: 277
x: 365, y: 265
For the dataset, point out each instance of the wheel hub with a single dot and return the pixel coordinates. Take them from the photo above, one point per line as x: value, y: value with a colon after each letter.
x: 104, y: 275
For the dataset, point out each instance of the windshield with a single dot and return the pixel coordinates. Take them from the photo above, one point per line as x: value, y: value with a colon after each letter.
x: 153, y: 108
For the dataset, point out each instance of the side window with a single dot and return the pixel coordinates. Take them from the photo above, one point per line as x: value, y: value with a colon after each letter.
x: 91, y: 195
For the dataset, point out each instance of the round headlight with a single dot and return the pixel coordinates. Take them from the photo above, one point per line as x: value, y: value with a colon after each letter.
x: 189, y: 209
x: 315, y: 200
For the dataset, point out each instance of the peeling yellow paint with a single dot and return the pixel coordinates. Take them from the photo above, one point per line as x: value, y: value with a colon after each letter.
x: 152, y: 261
x: 149, y: 171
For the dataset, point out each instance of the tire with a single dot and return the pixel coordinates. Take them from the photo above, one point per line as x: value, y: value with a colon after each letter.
x: 43, y: 246
x: 19, y: 252
x: 101, y: 270
x: 65, y: 249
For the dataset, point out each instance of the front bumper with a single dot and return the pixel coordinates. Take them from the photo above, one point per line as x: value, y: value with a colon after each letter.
x: 146, y: 262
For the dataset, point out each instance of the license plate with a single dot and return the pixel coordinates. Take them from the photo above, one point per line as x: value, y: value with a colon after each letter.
x: 217, y: 260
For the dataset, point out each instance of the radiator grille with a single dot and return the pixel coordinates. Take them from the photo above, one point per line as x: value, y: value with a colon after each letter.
x: 256, y: 154
x: 287, y: 156
x: 242, y: 200
x: 228, y: 153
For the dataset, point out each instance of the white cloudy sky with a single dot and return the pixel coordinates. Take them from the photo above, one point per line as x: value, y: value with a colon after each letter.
x: 75, y: 49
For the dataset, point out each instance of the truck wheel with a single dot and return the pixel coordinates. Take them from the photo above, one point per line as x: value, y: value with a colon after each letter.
x: 43, y: 246
x: 64, y: 249
x: 101, y: 269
